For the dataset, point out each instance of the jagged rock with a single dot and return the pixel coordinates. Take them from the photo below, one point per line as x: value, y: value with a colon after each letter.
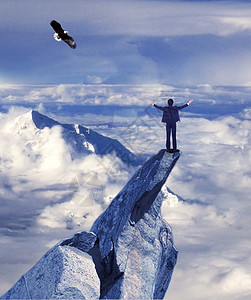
x: 131, y: 246
x: 62, y: 273
x: 143, y: 243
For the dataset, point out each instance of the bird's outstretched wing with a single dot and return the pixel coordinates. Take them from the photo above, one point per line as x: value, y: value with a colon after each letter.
x: 57, y: 27
x: 70, y: 41
x: 61, y: 34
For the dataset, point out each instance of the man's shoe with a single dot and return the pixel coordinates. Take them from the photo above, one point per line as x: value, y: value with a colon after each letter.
x: 177, y: 150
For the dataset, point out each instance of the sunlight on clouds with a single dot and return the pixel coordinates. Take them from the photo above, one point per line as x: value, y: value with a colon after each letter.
x: 237, y: 282
x: 30, y: 148
x: 237, y: 23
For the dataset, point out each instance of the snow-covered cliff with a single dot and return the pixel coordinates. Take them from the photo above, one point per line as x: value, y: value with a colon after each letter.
x: 129, y: 252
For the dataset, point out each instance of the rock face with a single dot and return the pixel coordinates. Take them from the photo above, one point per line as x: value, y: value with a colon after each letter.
x: 128, y: 253
x: 62, y: 273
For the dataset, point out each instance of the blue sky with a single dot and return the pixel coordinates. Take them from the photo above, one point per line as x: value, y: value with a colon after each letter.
x: 127, y: 42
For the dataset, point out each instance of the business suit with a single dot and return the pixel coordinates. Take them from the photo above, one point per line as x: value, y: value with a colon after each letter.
x: 170, y: 117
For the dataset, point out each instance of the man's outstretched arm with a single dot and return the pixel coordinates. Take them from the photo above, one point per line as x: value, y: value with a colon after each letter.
x: 157, y: 106
x: 185, y: 105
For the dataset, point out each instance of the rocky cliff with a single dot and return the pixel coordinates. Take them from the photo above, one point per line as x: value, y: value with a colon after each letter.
x: 128, y: 253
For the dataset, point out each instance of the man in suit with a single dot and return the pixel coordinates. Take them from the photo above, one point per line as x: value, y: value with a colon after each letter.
x: 170, y: 117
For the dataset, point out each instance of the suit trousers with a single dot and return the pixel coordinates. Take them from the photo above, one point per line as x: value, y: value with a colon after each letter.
x: 171, y: 128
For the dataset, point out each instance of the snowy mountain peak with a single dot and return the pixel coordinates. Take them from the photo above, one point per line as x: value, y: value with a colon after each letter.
x: 42, y: 121
x: 80, y: 139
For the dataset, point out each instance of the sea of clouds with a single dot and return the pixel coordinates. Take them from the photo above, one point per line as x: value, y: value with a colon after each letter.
x: 47, y: 195
x: 210, y: 216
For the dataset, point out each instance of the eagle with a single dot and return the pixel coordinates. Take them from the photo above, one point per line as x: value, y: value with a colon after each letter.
x: 61, y: 34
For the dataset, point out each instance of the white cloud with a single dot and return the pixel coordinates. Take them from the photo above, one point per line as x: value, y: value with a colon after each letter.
x: 94, y: 79
x: 237, y: 23
x: 122, y: 95
x: 246, y: 114
x: 237, y: 282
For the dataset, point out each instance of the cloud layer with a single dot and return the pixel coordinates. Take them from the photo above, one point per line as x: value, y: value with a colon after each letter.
x: 46, y: 196
x: 56, y: 96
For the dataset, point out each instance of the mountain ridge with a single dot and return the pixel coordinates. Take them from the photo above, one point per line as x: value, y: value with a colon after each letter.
x: 81, y: 139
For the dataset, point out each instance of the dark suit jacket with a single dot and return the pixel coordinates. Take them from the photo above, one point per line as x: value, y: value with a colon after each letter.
x: 170, y: 113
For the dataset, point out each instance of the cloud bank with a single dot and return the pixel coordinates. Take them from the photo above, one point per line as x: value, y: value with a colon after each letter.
x: 122, y: 95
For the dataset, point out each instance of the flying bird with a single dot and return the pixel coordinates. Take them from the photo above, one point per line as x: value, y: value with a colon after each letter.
x: 61, y: 34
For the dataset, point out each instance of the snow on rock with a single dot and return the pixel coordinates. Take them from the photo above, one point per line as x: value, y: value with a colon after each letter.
x: 80, y: 140
x: 131, y: 246
x: 62, y: 273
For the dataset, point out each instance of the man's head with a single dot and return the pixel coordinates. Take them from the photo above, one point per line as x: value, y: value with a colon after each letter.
x: 170, y: 102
